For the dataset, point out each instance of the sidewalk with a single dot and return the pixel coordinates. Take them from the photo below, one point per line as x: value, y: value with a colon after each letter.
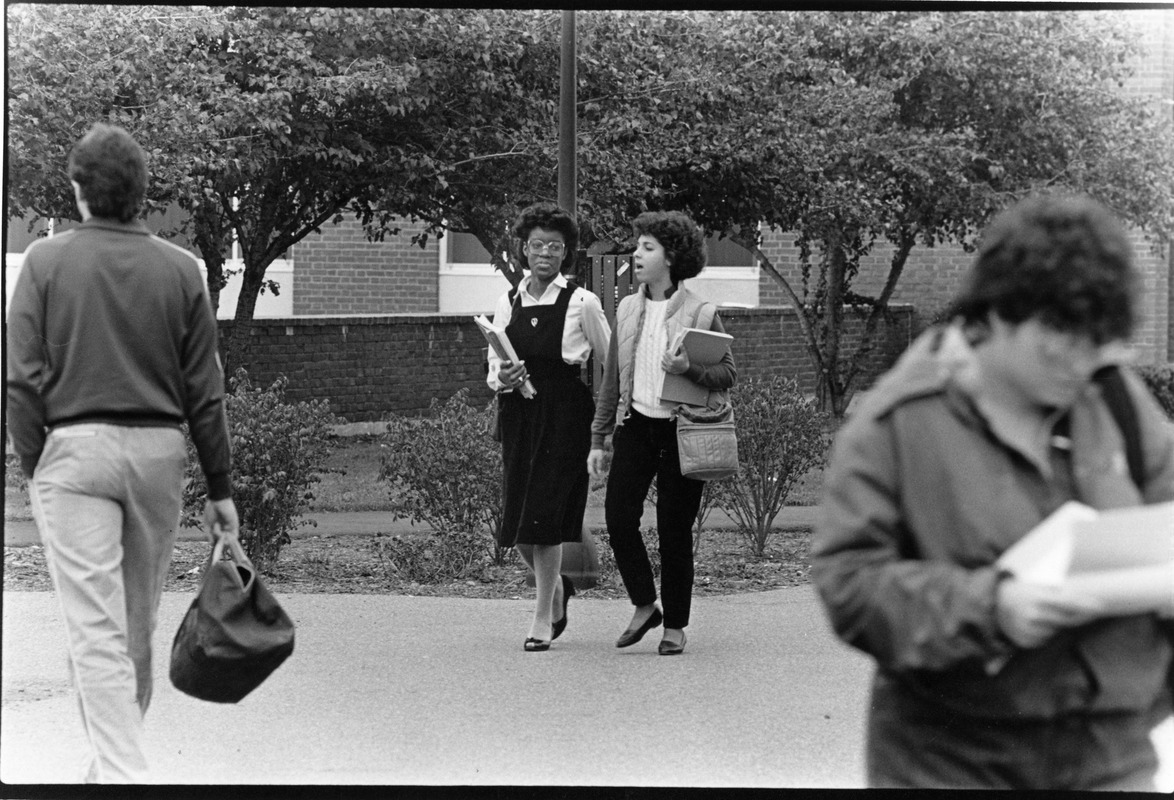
x: 395, y: 690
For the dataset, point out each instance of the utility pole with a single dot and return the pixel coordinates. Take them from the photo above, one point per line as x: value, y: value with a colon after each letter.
x: 567, y: 169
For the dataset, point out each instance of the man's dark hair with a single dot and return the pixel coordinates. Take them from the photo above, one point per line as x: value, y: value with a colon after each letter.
x: 552, y: 218
x: 682, y: 240
x: 111, y: 170
x: 1064, y: 260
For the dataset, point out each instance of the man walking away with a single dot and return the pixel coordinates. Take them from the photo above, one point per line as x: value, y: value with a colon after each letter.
x: 111, y: 348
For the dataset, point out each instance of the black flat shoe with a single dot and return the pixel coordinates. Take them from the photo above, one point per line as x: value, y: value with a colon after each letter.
x: 535, y: 645
x: 568, y: 592
x: 668, y: 648
x: 633, y: 635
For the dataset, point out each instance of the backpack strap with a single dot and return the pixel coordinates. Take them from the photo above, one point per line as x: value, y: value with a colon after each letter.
x: 1121, y: 406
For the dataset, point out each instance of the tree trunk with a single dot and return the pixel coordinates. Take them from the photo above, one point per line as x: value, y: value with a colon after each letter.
x: 216, y: 280
x: 830, y: 392
x: 511, y: 270
x: 237, y: 342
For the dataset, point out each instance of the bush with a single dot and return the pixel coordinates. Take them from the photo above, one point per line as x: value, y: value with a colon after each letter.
x: 781, y: 436
x: 1160, y: 380
x: 13, y: 476
x: 445, y: 471
x: 278, y: 449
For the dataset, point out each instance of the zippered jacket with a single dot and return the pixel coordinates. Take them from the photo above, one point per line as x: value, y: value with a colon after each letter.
x: 924, y: 493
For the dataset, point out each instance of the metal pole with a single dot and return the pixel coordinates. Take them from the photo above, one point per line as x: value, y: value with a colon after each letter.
x: 567, y: 171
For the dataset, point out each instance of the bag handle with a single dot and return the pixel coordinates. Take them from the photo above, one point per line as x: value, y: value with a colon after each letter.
x: 234, y: 547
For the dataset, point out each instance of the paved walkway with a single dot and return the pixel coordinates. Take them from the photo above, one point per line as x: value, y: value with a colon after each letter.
x: 393, y: 690
x: 389, y: 690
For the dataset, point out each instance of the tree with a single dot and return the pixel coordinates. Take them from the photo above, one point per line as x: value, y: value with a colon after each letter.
x: 487, y: 153
x: 262, y: 123
x: 911, y: 129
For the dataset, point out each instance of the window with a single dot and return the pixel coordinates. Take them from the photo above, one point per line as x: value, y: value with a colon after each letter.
x: 464, y: 248
x: 725, y: 253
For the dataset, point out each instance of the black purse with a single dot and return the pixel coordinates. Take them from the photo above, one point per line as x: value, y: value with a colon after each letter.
x: 234, y: 634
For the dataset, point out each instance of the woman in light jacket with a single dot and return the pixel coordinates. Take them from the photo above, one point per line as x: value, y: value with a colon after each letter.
x: 554, y: 326
x: 669, y: 249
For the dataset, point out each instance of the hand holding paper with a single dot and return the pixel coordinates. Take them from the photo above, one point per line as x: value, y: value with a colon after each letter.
x: 1124, y: 558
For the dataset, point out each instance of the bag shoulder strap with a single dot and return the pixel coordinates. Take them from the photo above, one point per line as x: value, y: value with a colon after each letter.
x: 705, y: 315
x: 1121, y: 406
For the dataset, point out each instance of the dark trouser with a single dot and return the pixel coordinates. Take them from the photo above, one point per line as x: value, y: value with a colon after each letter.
x: 913, y: 743
x: 643, y: 448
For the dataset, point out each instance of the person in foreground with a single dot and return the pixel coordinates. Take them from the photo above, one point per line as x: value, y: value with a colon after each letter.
x: 111, y: 348
x: 669, y: 249
x: 554, y: 326
x: 984, y: 427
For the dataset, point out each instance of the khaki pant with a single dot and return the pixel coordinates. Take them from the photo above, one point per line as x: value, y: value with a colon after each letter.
x: 106, y: 499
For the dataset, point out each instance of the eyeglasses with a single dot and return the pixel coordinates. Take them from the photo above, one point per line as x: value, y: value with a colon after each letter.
x: 538, y: 247
x: 1076, y: 351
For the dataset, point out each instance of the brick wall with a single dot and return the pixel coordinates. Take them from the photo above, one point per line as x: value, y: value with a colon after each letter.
x: 933, y: 275
x: 770, y: 341
x: 338, y: 271
x: 368, y: 366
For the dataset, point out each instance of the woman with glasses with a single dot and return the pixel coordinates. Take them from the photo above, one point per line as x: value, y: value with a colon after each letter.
x: 554, y: 326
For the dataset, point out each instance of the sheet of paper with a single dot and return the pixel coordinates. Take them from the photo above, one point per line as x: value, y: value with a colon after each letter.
x: 1124, y: 537
x: 1134, y: 590
x: 1044, y: 553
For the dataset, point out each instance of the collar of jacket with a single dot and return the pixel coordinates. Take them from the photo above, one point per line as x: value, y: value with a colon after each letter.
x: 941, y: 361
x: 675, y: 297
x: 110, y: 224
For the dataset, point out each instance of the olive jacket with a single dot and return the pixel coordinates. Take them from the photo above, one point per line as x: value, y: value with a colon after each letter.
x: 924, y: 493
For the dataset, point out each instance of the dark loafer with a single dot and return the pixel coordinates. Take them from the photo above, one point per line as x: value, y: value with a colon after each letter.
x: 535, y: 645
x: 668, y: 648
x: 568, y: 592
x: 633, y: 635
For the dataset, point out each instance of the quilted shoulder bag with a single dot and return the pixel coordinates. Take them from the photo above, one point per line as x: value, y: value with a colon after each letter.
x: 707, y: 441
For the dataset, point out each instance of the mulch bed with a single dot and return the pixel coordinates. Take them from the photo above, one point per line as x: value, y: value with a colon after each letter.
x: 348, y: 565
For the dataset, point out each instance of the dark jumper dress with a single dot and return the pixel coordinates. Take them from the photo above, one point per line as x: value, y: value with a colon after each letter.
x: 545, y: 440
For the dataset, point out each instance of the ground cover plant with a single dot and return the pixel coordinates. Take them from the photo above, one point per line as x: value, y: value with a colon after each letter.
x: 349, y: 482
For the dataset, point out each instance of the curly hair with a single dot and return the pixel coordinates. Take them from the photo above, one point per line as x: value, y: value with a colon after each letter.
x: 552, y: 218
x: 1064, y: 260
x: 111, y: 170
x: 682, y: 240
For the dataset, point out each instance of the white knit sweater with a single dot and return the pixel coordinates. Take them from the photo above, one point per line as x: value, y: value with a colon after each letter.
x: 648, y: 376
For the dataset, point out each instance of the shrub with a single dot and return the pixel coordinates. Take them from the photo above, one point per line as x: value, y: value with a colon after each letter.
x: 13, y: 476
x: 445, y: 471
x: 1160, y: 380
x: 781, y: 436
x: 278, y: 449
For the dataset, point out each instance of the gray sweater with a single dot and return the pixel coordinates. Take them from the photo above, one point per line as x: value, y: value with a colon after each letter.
x: 109, y: 323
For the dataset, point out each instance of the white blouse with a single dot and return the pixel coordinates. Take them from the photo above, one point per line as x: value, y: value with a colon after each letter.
x: 584, y: 332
